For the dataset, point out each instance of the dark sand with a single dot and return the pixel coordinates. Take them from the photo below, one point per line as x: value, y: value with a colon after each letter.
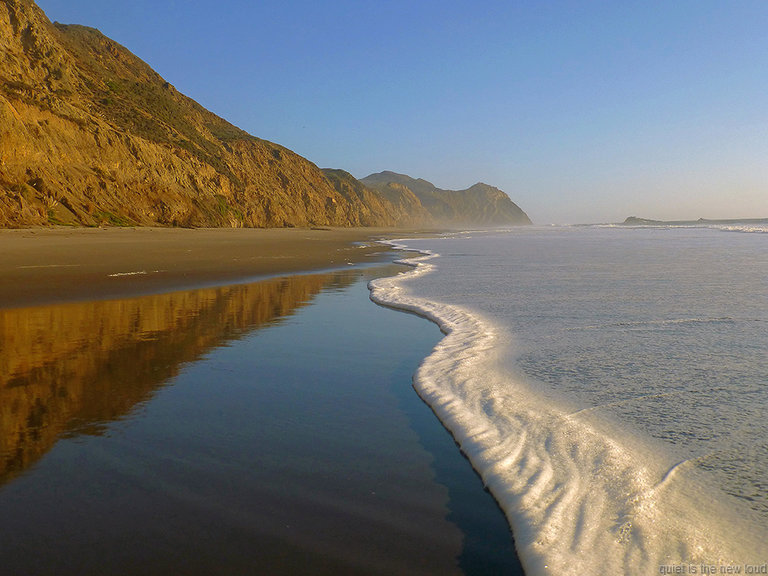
x: 47, y: 265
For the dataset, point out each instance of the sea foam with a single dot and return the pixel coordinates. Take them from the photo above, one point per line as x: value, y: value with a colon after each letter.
x: 580, y: 498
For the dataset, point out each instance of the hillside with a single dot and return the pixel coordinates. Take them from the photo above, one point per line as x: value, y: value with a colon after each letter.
x: 479, y: 205
x: 401, y: 207
x: 91, y: 135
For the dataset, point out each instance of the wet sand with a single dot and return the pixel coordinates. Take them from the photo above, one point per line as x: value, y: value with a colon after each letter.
x: 49, y: 265
x: 221, y: 430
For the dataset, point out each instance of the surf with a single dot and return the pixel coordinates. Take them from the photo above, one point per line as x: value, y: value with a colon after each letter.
x: 580, y: 496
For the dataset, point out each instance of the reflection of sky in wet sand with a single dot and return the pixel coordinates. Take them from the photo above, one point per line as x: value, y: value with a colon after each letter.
x: 168, y: 434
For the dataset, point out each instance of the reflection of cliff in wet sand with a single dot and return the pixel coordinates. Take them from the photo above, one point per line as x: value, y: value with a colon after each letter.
x: 70, y: 368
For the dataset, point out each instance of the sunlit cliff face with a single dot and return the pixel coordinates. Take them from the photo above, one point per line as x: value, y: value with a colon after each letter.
x: 70, y: 369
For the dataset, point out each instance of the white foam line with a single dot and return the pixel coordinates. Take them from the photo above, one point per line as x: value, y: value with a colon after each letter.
x: 674, y: 470
x: 117, y: 274
x: 578, y: 500
x: 136, y: 273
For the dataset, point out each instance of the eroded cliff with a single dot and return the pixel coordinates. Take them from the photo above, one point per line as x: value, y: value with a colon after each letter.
x: 89, y: 134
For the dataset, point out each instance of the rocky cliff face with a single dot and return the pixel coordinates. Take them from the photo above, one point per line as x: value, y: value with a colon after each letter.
x: 90, y: 134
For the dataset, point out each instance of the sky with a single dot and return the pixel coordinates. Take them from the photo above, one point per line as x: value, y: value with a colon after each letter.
x: 582, y: 111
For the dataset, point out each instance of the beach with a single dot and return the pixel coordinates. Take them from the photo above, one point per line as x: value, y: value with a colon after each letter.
x: 198, y: 419
x: 46, y: 265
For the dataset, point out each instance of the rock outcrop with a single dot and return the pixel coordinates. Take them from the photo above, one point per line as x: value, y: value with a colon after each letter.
x: 91, y: 135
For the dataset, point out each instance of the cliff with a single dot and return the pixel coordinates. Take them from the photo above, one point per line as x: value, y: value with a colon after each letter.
x: 479, y: 205
x: 90, y: 135
x: 401, y: 207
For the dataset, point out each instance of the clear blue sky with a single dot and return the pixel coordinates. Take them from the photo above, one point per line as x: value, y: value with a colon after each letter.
x: 582, y: 111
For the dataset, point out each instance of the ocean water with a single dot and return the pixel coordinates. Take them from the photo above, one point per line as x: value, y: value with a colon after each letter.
x: 610, y: 386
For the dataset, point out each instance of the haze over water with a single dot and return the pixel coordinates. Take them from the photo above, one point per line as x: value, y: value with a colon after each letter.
x: 610, y: 385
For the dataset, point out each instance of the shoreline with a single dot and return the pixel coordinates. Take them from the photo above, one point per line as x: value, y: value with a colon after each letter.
x: 55, y: 265
x: 416, y: 458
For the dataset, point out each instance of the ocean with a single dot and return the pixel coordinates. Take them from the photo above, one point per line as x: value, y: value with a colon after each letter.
x: 610, y: 386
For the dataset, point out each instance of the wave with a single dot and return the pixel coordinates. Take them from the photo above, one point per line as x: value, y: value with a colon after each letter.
x: 580, y: 498
x: 750, y: 226
x: 661, y: 323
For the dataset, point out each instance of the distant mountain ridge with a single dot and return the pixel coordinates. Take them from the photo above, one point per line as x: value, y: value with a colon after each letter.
x: 480, y: 204
x: 90, y: 135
